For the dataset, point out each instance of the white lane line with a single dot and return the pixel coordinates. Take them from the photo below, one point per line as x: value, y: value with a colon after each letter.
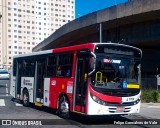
x: 6, y: 90
x: 17, y: 104
x: 153, y: 106
x: 2, y: 103
x: 4, y: 95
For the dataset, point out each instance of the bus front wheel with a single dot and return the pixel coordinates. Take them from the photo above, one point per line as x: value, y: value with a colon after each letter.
x: 25, y: 98
x: 63, y: 108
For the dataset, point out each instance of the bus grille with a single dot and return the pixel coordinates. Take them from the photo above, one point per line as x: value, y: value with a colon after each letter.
x: 114, y: 109
x: 123, y: 104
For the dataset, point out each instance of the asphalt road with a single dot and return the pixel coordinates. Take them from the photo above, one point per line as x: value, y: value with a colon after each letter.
x: 12, y: 111
x: 4, y: 87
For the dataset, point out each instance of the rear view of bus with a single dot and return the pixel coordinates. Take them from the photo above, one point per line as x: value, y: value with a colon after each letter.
x: 115, y: 81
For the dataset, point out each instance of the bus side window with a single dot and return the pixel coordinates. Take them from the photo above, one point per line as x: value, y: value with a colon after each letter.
x: 14, y: 67
x: 65, y: 63
x: 68, y: 73
x: 25, y: 72
x: 59, y: 71
x: 51, y: 66
x: 28, y: 67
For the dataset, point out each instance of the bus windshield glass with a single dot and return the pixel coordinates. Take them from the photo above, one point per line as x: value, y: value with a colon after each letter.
x: 113, y: 71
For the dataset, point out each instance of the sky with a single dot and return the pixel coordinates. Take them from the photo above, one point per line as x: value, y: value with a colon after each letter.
x: 84, y: 7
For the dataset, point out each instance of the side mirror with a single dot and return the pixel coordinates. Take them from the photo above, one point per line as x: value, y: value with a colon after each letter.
x: 93, y: 63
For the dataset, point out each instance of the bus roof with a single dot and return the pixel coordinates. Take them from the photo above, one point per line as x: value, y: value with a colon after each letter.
x: 90, y: 46
x: 34, y: 53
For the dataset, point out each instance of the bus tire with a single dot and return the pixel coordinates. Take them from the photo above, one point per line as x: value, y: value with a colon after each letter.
x: 63, y: 108
x: 25, y: 98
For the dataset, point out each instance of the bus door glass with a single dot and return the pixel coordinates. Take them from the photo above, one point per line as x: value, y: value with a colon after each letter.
x: 80, y: 91
x: 40, y: 79
x: 18, y: 77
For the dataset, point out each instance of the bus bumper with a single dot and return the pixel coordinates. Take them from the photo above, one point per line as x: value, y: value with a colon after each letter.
x: 95, y: 108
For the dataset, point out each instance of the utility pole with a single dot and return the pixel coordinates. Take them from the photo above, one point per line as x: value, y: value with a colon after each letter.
x: 100, y: 32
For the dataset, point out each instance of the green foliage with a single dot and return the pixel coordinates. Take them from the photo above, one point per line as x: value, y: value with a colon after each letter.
x: 156, y: 96
x: 150, y: 96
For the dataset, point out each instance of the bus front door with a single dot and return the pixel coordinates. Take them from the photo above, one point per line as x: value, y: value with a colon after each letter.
x: 40, y: 69
x: 81, y: 82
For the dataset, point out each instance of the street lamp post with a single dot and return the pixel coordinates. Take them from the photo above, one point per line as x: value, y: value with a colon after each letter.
x: 100, y: 32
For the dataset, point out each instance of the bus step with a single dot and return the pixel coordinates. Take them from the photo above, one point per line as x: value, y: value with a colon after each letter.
x: 38, y: 104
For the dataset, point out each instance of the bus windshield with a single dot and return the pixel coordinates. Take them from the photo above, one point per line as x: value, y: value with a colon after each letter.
x: 113, y: 70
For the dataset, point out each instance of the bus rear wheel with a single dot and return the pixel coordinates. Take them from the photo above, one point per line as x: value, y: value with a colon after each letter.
x: 25, y: 98
x: 63, y: 108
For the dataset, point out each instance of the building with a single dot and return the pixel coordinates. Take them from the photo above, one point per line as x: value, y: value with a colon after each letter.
x: 25, y: 23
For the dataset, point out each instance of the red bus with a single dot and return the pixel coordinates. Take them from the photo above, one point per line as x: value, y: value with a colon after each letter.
x: 89, y: 79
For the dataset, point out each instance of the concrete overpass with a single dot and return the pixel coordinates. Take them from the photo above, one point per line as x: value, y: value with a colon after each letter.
x: 137, y: 22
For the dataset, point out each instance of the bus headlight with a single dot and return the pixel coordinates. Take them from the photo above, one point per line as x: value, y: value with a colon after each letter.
x: 137, y: 101
x: 97, y: 100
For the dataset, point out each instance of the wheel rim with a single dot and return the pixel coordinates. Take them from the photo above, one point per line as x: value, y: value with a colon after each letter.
x: 64, y: 107
x: 25, y: 99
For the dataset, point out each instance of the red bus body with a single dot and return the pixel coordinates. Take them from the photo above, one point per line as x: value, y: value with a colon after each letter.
x: 82, y: 93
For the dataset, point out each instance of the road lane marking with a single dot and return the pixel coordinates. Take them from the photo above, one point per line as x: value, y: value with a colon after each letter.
x: 4, y: 95
x: 2, y: 103
x: 6, y: 90
x: 153, y: 106
x: 17, y: 104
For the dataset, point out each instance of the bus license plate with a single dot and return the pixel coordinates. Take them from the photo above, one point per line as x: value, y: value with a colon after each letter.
x: 120, y: 109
